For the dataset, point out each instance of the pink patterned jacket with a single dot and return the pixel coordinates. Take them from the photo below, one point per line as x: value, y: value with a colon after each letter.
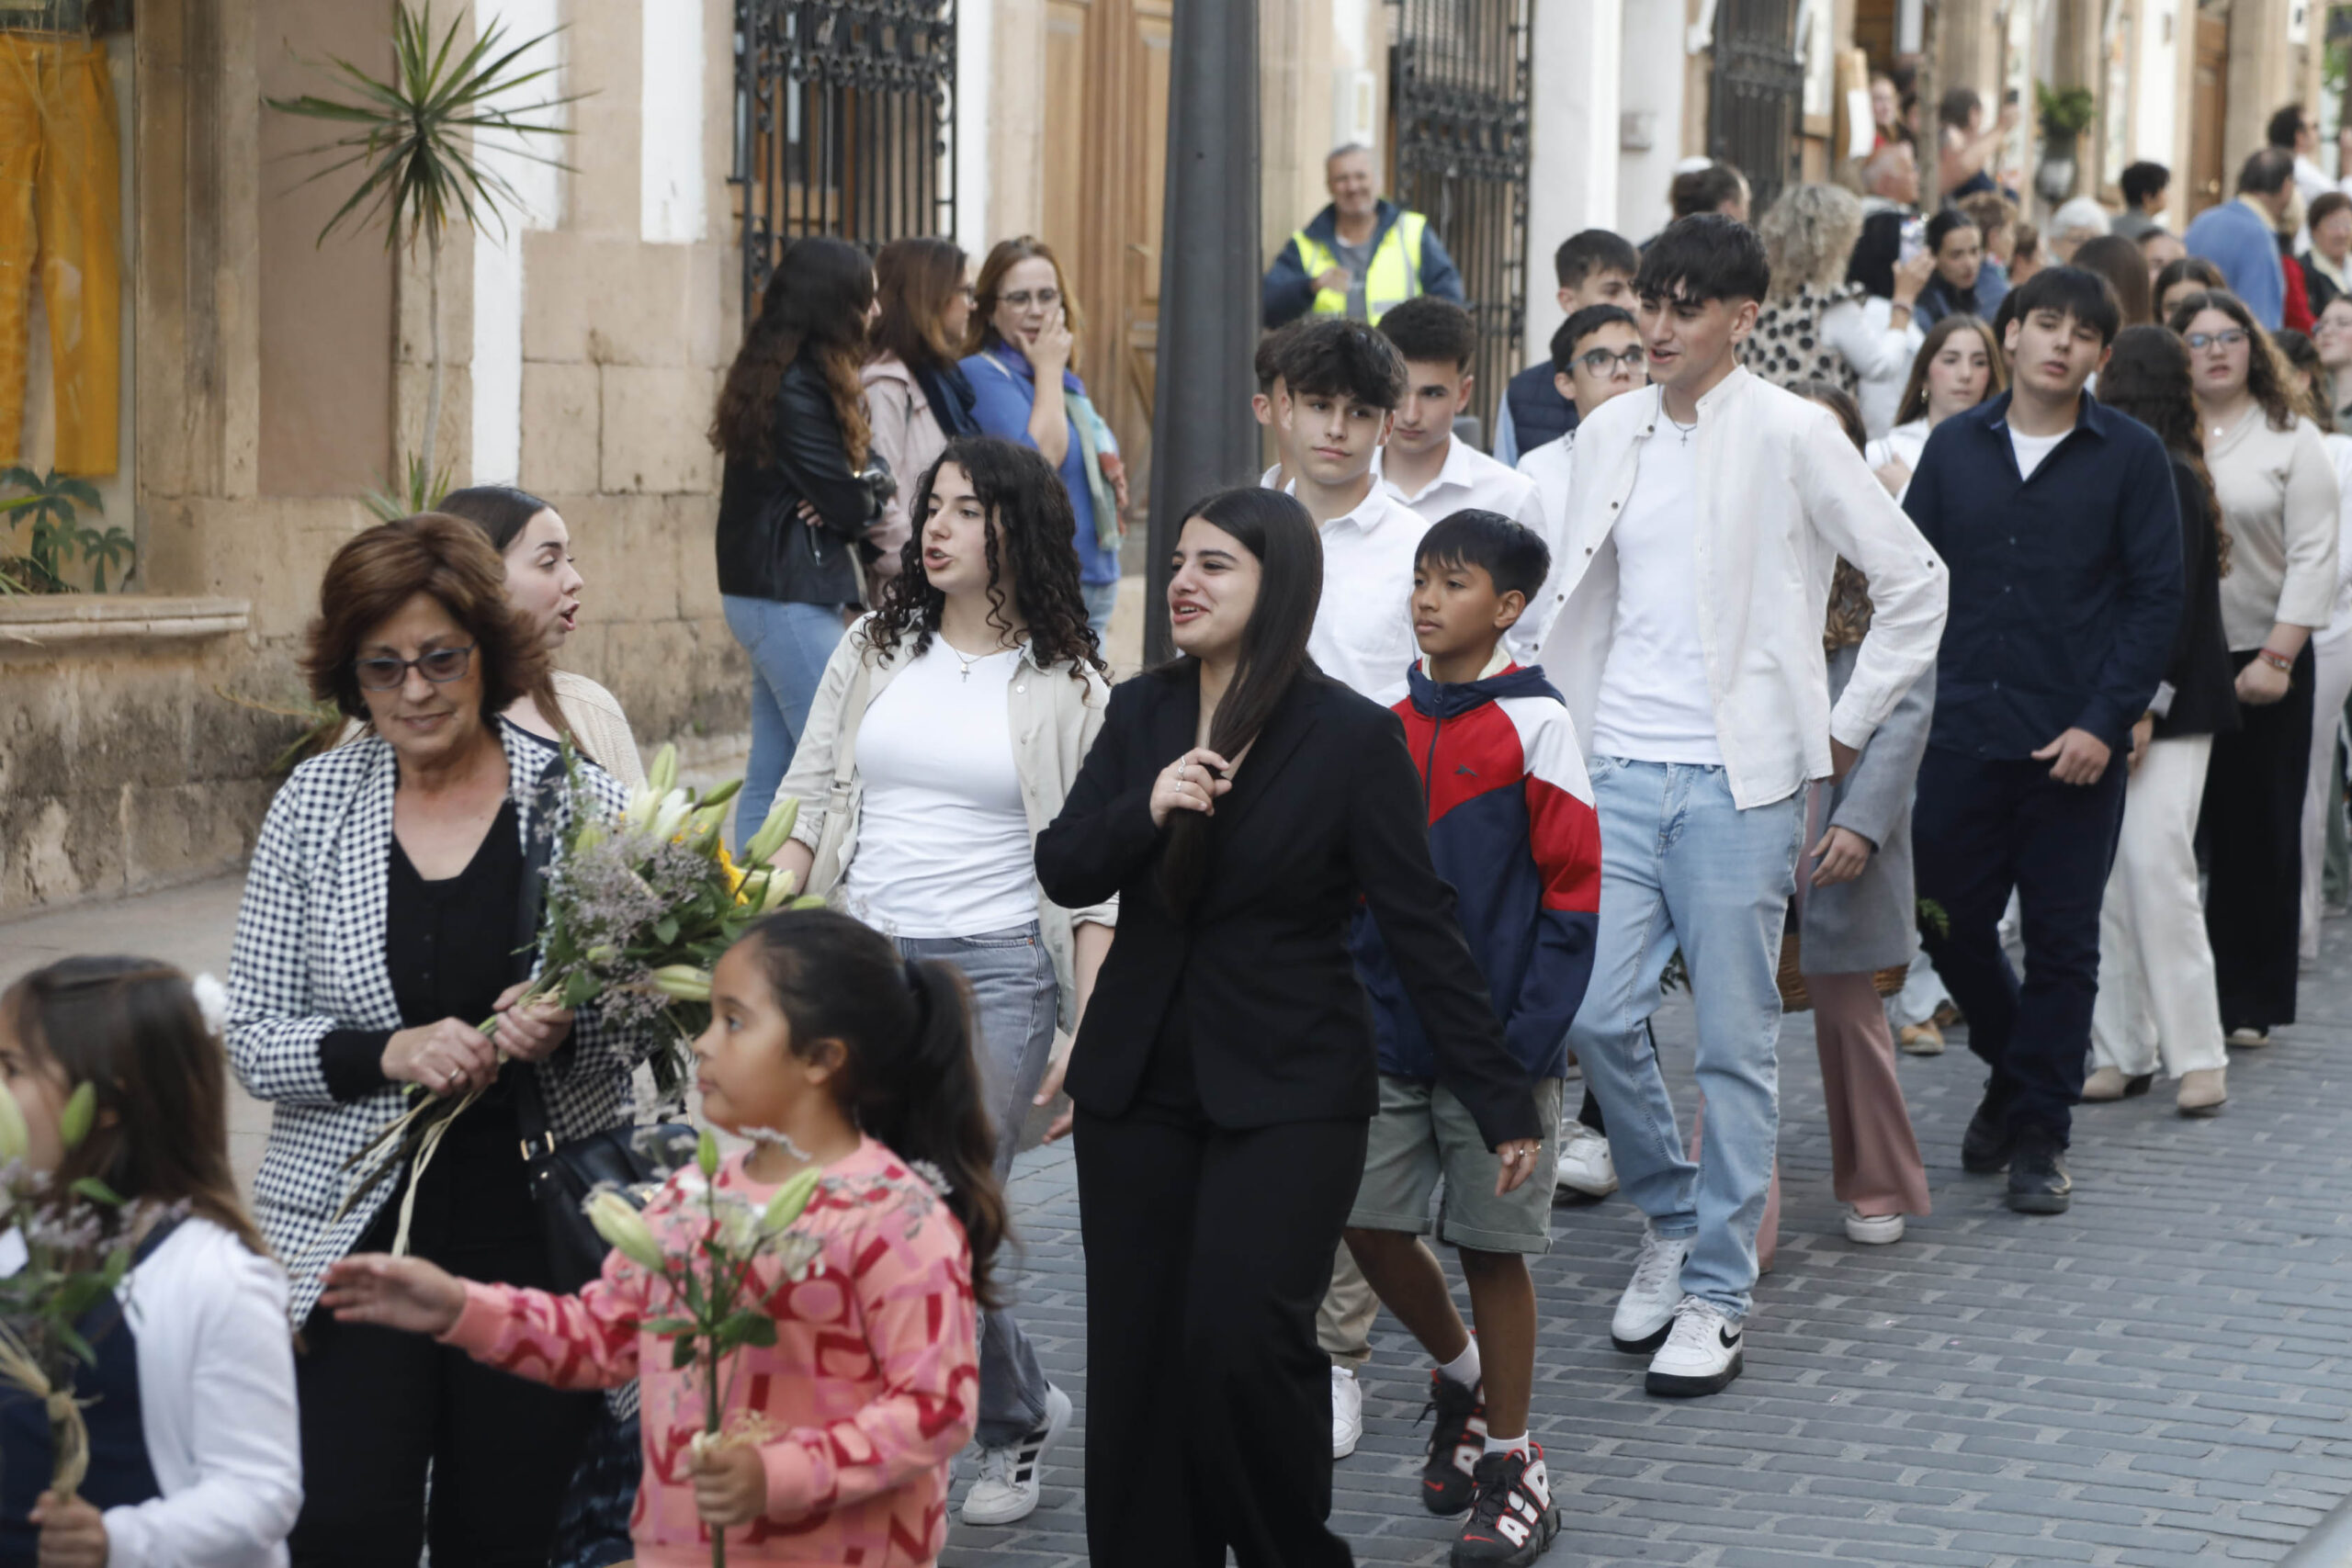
x: 870, y: 1389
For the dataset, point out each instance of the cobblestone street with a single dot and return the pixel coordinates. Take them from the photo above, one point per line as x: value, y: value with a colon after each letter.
x: 2159, y: 1377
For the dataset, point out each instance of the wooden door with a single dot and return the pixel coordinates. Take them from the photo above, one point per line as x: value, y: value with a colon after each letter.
x: 2209, y: 104
x: 1107, y: 153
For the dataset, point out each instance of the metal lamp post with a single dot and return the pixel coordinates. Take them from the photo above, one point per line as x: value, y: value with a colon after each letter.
x: 1203, y: 435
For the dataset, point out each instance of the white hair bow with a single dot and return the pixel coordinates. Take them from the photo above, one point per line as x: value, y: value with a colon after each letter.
x: 212, y: 1002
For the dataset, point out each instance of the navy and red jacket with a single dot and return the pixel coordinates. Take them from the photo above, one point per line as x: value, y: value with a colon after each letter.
x: 1511, y: 827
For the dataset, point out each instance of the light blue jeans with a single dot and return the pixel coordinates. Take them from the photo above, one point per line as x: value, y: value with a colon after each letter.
x: 789, y: 643
x: 1681, y: 866
x: 1102, y: 597
x: 1016, y: 1002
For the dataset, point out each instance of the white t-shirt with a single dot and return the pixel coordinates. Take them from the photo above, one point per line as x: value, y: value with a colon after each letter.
x: 1363, y: 624
x: 1655, y: 705
x: 943, y: 841
x: 2032, y: 449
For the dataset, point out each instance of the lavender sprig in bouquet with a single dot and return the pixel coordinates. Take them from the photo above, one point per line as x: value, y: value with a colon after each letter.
x: 638, y: 910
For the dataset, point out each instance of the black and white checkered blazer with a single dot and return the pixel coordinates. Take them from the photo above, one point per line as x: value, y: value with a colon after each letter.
x: 310, y: 958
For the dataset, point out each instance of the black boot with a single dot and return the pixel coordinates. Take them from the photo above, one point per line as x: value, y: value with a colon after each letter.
x: 2038, y: 1181
x: 1984, y: 1148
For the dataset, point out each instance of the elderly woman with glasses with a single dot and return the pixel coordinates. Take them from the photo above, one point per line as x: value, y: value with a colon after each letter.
x: 2278, y: 490
x: 391, y: 891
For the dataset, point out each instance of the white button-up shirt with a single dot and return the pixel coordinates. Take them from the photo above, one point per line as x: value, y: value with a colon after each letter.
x: 1364, y: 626
x: 1782, y: 493
x: 1468, y: 479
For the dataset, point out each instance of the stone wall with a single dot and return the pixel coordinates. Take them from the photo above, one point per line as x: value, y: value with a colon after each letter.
x: 122, y: 765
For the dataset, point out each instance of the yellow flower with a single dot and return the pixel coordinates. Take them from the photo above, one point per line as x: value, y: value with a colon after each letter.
x: 734, y: 875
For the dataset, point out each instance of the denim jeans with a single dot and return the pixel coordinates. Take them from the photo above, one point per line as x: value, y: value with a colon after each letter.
x: 1102, y: 597
x: 789, y: 643
x: 1015, y: 1004
x: 1681, y: 866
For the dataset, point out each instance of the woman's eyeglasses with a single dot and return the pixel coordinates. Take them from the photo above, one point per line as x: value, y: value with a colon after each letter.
x: 1598, y: 361
x: 1044, y: 298
x: 440, y: 666
x: 2200, y: 342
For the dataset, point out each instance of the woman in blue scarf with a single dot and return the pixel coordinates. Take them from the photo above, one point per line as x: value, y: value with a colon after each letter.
x: 1023, y: 336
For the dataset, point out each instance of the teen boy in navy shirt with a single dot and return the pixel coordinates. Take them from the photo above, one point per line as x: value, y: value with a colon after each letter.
x: 1511, y: 825
x: 2058, y: 521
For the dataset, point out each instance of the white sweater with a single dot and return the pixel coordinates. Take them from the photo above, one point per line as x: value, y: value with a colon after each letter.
x: 216, y: 1405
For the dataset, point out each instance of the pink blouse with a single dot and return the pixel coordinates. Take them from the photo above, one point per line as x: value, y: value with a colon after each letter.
x: 870, y: 1389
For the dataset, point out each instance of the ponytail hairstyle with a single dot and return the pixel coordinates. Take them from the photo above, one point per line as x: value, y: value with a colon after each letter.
x: 502, y: 512
x: 1276, y: 529
x: 908, y: 1076
x: 132, y: 1029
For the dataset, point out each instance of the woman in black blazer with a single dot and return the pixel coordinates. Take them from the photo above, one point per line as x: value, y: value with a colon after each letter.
x: 1239, y: 804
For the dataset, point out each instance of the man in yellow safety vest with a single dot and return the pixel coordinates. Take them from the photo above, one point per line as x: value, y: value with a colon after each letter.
x: 1360, y: 256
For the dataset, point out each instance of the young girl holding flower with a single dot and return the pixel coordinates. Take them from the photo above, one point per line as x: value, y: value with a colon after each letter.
x: 827, y: 1051
x: 195, y: 1447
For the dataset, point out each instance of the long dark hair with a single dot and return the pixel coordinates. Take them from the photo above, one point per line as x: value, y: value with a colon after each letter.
x: 909, y: 1078
x: 2149, y: 377
x: 1276, y: 529
x: 1849, y: 590
x: 915, y: 280
x: 1914, y: 402
x: 1030, y: 528
x: 815, y: 303
x: 2125, y: 267
x: 502, y: 512
x: 2316, y: 401
x: 130, y: 1029
x: 2264, y: 377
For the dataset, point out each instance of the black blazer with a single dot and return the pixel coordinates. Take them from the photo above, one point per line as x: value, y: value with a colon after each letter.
x: 2202, y: 675
x: 766, y: 550
x: 1325, y: 808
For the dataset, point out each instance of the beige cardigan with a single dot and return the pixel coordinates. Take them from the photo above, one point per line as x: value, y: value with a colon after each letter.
x: 907, y: 437
x: 2278, y: 500
x: 1054, y: 719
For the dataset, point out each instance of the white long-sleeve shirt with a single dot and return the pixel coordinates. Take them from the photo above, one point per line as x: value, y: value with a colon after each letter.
x: 1879, y: 352
x: 216, y: 1404
x: 2280, y: 502
x: 1782, y: 494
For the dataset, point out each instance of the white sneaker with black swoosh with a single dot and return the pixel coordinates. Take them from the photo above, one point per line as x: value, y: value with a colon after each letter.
x: 1701, y: 1355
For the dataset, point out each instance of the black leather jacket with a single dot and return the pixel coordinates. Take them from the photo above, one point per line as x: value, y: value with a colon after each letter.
x: 766, y: 550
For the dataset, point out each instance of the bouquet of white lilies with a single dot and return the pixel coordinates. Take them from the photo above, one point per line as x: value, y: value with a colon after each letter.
x: 638, y: 910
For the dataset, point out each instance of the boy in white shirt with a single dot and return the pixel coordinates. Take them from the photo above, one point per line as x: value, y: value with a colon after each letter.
x: 1597, y: 355
x: 1422, y: 465
x: 1265, y: 404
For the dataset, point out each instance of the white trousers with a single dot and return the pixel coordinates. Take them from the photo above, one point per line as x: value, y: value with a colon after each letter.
x: 2331, y: 686
x: 2155, y: 967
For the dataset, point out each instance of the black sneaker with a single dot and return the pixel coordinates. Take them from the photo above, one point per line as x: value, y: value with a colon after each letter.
x: 1456, y: 1444
x: 1515, y: 1517
x: 1984, y: 1148
x: 2038, y: 1181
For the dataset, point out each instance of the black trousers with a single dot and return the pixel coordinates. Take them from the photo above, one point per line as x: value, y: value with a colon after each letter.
x: 378, y: 1407
x: 2252, y: 826
x: 1980, y: 828
x: 1208, y: 1406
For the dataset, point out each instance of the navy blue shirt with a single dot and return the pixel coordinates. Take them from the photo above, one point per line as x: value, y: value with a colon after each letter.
x: 2066, y: 587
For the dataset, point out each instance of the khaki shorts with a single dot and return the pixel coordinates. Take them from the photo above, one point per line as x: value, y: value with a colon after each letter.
x: 1422, y: 1133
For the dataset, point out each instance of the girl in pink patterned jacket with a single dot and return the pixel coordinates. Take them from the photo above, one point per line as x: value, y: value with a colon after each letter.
x: 817, y: 1031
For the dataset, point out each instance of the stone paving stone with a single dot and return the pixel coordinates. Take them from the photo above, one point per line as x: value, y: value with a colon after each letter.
x: 2159, y: 1378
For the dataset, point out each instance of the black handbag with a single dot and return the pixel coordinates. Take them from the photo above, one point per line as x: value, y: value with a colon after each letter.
x: 634, y: 1160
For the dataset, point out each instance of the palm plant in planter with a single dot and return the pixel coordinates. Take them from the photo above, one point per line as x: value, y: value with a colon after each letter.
x: 2063, y: 112
x: 413, y: 140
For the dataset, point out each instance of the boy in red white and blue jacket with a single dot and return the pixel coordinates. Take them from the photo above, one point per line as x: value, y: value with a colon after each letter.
x: 1511, y: 827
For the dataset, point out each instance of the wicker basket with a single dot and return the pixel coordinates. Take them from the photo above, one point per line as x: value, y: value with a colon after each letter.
x: 1795, y: 998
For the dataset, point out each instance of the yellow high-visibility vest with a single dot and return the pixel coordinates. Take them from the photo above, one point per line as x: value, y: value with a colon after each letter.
x: 1395, y: 276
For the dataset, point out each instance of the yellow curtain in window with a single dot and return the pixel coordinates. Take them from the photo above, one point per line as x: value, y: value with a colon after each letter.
x: 61, y: 194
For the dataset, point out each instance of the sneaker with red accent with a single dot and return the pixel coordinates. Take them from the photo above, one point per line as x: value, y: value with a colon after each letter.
x: 1456, y: 1444
x: 1514, y: 1519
